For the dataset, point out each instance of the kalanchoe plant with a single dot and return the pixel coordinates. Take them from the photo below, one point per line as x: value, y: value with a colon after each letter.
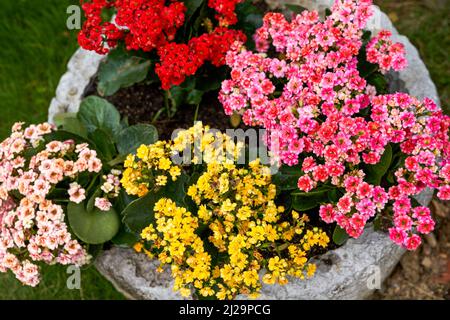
x: 60, y: 188
x: 356, y: 153
x: 166, y: 41
x: 215, y: 222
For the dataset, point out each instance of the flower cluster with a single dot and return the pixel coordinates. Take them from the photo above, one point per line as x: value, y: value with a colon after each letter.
x: 152, y: 25
x: 247, y: 230
x: 225, y: 11
x: 388, y: 55
x: 314, y: 73
x: 151, y: 166
x: 155, y: 165
x: 110, y: 189
x: 97, y: 35
x: 178, y: 61
x: 320, y: 113
x: 32, y: 226
x: 423, y: 135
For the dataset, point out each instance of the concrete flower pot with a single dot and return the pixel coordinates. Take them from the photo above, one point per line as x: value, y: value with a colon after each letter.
x: 349, y: 272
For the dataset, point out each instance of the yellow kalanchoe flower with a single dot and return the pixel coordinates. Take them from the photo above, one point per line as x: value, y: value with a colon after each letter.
x: 237, y: 232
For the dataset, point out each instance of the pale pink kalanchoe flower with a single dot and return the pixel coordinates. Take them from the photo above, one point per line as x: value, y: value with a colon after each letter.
x: 76, y: 193
x: 32, y: 228
x: 388, y: 55
x: 103, y: 204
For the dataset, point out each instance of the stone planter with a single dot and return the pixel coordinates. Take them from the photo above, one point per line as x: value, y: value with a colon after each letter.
x: 348, y: 272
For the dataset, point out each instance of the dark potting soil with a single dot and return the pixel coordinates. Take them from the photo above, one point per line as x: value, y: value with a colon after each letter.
x: 140, y: 103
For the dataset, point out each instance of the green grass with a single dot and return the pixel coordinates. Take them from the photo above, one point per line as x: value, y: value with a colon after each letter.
x: 36, y: 47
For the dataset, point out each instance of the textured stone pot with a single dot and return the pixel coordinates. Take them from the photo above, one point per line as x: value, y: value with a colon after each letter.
x: 344, y: 273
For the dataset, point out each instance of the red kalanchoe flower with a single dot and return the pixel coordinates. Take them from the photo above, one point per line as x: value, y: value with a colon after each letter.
x: 150, y: 23
x: 225, y: 11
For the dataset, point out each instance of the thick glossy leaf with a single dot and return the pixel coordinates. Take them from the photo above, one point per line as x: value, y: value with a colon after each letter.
x: 176, y: 190
x: 90, y: 206
x: 103, y: 143
x: 133, y: 137
x: 60, y: 118
x: 121, y: 70
x: 339, y: 236
x: 97, y: 113
x: 287, y: 177
x: 194, y: 97
x: 95, y: 227
x: 249, y: 19
x: 70, y: 123
x: 139, y: 214
x: 192, y: 6
x: 379, y: 81
x: 62, y: 135
x: 125, y: 237
x: 374, y: 173
x: 302, y: 201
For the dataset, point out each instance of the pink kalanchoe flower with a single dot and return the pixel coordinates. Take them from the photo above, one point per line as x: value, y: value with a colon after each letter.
x: 103, y: 204
x: 403, y: 222
x: 326, y: 117
x: 425, y: 225
x: 388, y: 55
x: 305, y: 183
x: 327, y: 213
x: 397, y: 235
x: 76, y: 193
x: 29, y: 222
x: 444, y: 192
x: 413, y: 242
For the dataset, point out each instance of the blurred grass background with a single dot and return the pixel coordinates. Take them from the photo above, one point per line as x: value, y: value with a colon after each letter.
x: 35, y: 51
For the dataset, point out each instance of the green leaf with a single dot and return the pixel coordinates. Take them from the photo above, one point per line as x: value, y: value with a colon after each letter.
x: 194, y: 97
x: 375, y: 173
x: 334, y: 195
x: 139, y: 214
x: 125, y: 238
x: 94, y: 227
x: 121, y: 70
x: 97, y: 113
x: 295, y: 8
x: 62, y: 135
x: 302, y: 201
x: 249, y: 19
x: 192, y: 6
x: 103, y: 143
x: 339, y: 236
x: 90, y: 206
x: 176, y: 190
x: 70, y: 123
x: 177, y: 96
x: 60, y: 118
x: 379, y: 81
x: 133, y: 137
x: 287, y: 177
x: 211, y: 83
